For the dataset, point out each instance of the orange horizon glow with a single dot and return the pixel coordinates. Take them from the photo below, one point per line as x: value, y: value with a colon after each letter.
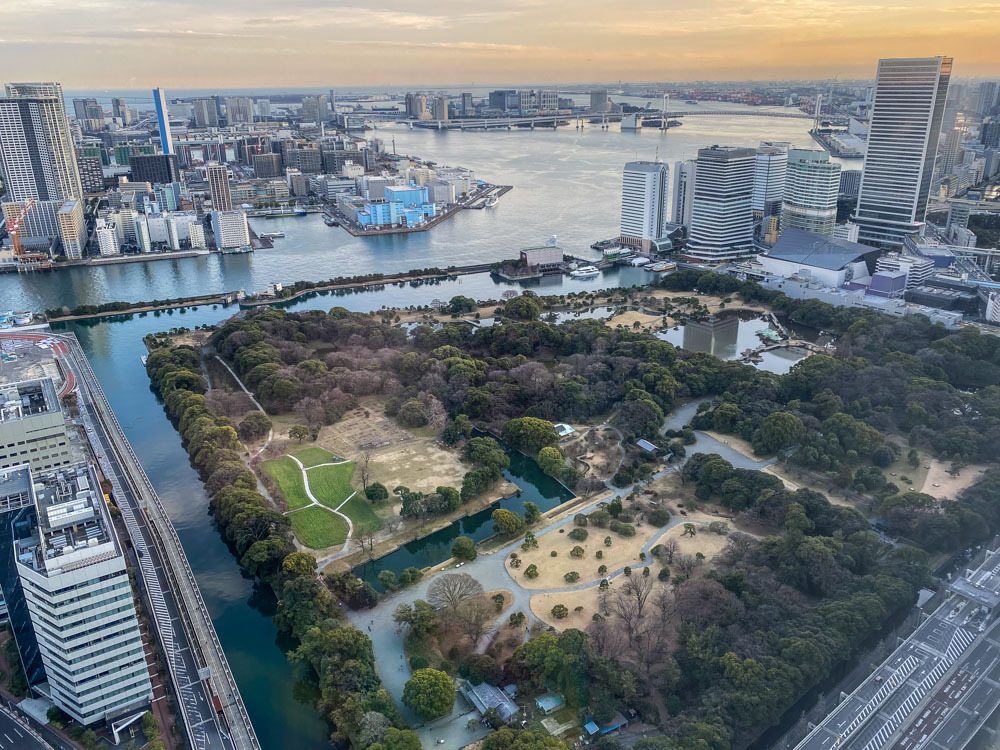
x: 250, y: 43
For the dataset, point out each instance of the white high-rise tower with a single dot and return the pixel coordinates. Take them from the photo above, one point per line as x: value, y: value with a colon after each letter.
x: 683, y: 195
x: 812, y: 184
x: 769, y: 178
x: 644, y: 204
x: 721, y: 217
x: 910, y: 96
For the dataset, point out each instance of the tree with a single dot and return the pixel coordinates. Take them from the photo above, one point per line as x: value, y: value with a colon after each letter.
x: 299, y: 432
x: 254, y: 426
x: 412, y: 413
x: 498, y: 601
x: 373, y: 727
x: 531, y: 571
x: 472, y: 616
x: 529, y: 434
x: 532, y: 513
x: 516, y: 619
x: 778, y: 430
x: 551, y: 460
x: 530, y: 542
x: 401, y: 739
x: 376, y: 492
x: 560, y: 611
x: 448, y: 590
x: 523, y: 308
x: 690, y: 530
x: 420, y: 618
x: 364, y: 472
x: 464, y: 548
x: 388, y: 580
x: 429, y: 693
x: 507, y: 523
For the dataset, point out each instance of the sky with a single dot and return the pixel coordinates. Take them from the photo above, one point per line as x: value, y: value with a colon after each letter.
x: 248, y: 43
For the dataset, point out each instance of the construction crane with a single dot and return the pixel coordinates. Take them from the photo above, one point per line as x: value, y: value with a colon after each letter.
x: 25, y: 259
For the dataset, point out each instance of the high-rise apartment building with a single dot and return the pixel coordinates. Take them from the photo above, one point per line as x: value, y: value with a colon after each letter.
x: 599, y: 101
x: 910, y: 95
x: 314, y: 109
x: 769, y: 178
x: 264, y: 109
x: 466, y: 107
x: 205, y: 114
x: 88, y: 113
x: 37, y: 159
x: 683, y: 195
x: 416, y: 106
x: 72, y: 229
x: 989, y: 98
x: 950, y: 148
x: 119, y: 110
x: 218, y: 186
x: 154, y: 168
x: 91, y: 173
x: 722, y: 215
x: 812, y: 184
x: 644, y: 204
x: 267, y: 165
x: 439, y: 108
x: 163, y: 121
x: 230, y: 228
x: 239, y: 110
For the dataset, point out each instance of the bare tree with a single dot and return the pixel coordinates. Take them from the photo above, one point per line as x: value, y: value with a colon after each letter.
x: 449, y: 590
x: 686, y: 564
x: 605, y: 639
x: 627, y: 611
x: 737, y: 546
x: 670, y: 548
x: 364, y: 536
x: 638, y: 588
x: 472, y: 616
x: 365, y: 472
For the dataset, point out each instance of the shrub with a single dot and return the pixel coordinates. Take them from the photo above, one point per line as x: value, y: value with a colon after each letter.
x: 719, y: 527
x: 623, y: 529
x: 572, y: 577
x: 658, y: 551
x: 560, y: 611
x: 642, y: 556
x: 578, y: 535
x: 446, y: 666
x: 553, y: 553
x: 659, y: 517
x: 645, y: 572
x: 531, y: 571
x: 602, y: 571
x: 600, y: 518
x: 599, y: 554
x: 664, y: 574
x: 418, y: 662
x: 626, y: 516
x: 577, y: 552
x: 627, y: 571
x: 607, y: 541
x: 578, y: 609
x: 580, y: 519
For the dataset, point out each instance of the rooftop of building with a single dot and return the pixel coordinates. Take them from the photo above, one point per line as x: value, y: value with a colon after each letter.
x: 819, y: 250
x: 645, y: 166
x: 73, y: 528
x: 15, y: 487
x: 27, y: 398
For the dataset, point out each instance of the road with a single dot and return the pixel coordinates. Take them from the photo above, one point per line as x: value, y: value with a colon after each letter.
x: 15, y: 735
x: 193, y: 654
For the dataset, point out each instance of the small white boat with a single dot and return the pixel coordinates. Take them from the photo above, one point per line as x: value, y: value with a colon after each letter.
x: 585, y: 272
x: 491, y: 201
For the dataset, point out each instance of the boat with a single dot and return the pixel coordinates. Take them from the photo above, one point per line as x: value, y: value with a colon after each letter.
x: 331, y: 222
x: 640, y: 261
x: 22, y: 318
x: 491, y: 201
x: 660, y: 267
x: 142, y: 358
x: 284, y: 214
x: 271, y: 235
x: 236, y: 250
x: 584, y: 272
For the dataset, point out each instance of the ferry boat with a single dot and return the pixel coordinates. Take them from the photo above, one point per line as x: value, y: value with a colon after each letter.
x: 284, y: 214
x: 584, y: 272
x: 236, y: 250
x: 271, y: 235
x: 660, y: 267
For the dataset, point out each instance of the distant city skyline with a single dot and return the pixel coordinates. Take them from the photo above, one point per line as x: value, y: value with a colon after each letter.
x: 94, y: 43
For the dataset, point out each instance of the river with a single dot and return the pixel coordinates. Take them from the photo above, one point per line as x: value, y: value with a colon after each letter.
x: 566, y: 183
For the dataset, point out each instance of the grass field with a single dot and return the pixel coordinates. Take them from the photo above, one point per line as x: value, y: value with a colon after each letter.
x: 289, y: 478
x: 312, y: 455
x: 360, y: 511
x: 318, y: 528
x: 331, y: 485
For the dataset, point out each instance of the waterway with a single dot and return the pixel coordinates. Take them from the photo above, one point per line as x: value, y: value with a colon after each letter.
x: 566, y: 183
x: 536, y: 487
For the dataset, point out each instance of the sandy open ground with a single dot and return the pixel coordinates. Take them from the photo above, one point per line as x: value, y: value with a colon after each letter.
x: 949, y: 486
x: 542, y: 604
x: 629, y: 319
x: 738, y: 444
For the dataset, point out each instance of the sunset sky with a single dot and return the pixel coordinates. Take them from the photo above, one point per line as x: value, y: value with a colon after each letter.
x: 247, y: 43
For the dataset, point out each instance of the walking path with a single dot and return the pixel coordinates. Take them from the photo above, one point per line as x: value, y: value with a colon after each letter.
x: 317, y: 503
x: 270, y: 432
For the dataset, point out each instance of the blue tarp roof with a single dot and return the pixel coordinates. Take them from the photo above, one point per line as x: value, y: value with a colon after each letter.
x: 822, y: 251
x: 549, y: 701
x: 591, y: 728
x: 646, y: 445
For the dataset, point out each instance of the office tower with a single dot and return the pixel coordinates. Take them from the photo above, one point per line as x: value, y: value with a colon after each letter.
x: 721, y: 217
x: 313, y: 109
x: 416, y: 106
x: 466, y: 107
x: 154, y: 168
x: 264, y: 109
x: 218, y: 186
x: 503, y: 99
x: 599, y: 101
x: 812, y: 185
x: 644, y: 204
x: 950, y: 149
x: 439, y: 108
x: 88, y: 641
x: 850, y: 182
x: 332, y: 97
x: 910, y: 94
x: 989, y: 133
x: 205, y: 114
x: 163, y: 120
x: 89, y: 113
x: 72, y: 229
x: 547, y: 100
x: 769, y: 178
x: 37, y: 159
x: 239, y: 110
x: 683, y: 196
x: 989, y: 98
x: 119, y: 109
x: 230, y: 229
x: 91, y: 173
x: 80, y: 109
x: 267, y: 165
x: 308, y: 160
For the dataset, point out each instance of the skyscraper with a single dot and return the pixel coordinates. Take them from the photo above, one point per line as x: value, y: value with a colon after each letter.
x: 218, y: 186
x: 812, y: 184
x: 205, y: 114
x: 314, y: 109
x: 239, y: 110
x: 37, y: 159
x: 950, y: 148
x: 599, y: 101
x: 910, y: 95
x: 439, y: 108
x: 264, y: 109
x: 163, y: 120
x: 119, y: 109
x: 769, y: 178
x: 721, y: 216
x: 989, y: 98
x: 683, y: 196
x: 644, y: 204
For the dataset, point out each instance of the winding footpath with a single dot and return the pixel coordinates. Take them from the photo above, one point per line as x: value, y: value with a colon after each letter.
x: 490, y: 570
x: 313, y: 501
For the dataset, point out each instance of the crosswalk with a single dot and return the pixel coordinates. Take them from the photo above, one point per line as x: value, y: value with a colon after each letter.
x: 960, y: 641
x: 890, y: 686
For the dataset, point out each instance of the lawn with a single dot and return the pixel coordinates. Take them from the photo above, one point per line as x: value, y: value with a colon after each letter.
x: 312, y: 455
x: 360, y: 511
x: 331, y: 485
x: 318, y: 528
x: 289, y: 478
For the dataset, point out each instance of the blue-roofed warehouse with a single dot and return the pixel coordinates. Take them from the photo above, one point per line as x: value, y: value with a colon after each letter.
x: 831, y: 261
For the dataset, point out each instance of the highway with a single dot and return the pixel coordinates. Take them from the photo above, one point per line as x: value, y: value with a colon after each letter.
x: 192, y: 652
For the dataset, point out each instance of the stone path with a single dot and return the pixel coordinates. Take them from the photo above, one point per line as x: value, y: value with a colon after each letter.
x: 313, y: 501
